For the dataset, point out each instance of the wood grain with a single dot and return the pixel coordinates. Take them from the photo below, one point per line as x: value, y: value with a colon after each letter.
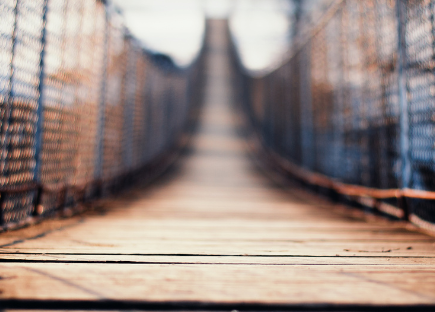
x: 216, y: 230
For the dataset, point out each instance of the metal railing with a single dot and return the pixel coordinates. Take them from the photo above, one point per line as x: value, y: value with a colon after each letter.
x: 352, y: 110
x: 84, y: 109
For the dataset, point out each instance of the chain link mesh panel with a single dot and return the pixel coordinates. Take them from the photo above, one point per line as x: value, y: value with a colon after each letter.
x: 59, y: 99
x: 21, y: 31
x: 90, y: 74
x: 420, y: 55
x: 113, y: 98
x: 357, y: 98
x: 83, y: 107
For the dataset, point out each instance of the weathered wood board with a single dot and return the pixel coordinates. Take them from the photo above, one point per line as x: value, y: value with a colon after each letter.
x: 216, y: 230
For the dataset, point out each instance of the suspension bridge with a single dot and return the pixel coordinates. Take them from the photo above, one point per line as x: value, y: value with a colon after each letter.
x: 229, y: 226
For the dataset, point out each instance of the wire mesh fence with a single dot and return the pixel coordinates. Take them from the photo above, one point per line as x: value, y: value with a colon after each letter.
x: 84, y: 109
x: 352, y: 110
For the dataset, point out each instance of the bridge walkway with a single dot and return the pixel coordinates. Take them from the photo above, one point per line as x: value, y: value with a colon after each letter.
x: 213, y: 233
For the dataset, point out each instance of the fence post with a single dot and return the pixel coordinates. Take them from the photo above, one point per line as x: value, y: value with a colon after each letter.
x: 128, y: 99
x: 2, y: 201
x: 432, y: 22
x: 403, y: 103
x: 6, y: 120
x: 306, y: 108
x: 40, y: 109
x: 339, y: 105
x: 102, y: 107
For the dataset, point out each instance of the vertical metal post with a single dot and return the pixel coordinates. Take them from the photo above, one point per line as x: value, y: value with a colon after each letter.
x: 432, y: 23
x: 102, y: 105
x: 5, y: 123
x: 145, y: 104
x: 2, y: 201
x: 268, y: 108
x: 149, y: 95
x: 306, y: 108
x: 129, y: 86
x: 264, y: 115
x: 403, y: 101
x: 338, y: 111
x: 6, y: 120
x: 40, y: 108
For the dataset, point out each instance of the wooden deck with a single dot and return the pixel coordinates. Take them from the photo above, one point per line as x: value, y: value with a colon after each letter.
x: 216, y: 234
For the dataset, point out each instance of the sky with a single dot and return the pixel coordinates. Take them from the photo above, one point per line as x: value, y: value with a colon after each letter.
x: 176, y: 27
x: 260, y: 29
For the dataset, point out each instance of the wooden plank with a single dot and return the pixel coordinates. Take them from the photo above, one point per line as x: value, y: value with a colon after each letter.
x: 200, y: 259
x: 218, y: 231
x: 218, y: 283
x: 38, y: 230
x: 231, y: 248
